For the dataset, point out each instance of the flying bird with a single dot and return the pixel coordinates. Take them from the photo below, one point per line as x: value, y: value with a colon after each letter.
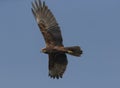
x: 53, y: 39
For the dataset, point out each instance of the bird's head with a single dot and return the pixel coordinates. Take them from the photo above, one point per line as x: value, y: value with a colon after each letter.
x: 44, y: 50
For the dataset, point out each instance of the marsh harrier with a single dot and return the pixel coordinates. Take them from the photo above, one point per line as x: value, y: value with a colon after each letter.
x: 53, y: 39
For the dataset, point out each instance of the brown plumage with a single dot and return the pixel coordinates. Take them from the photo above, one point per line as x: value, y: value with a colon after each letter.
x: 53, y: 39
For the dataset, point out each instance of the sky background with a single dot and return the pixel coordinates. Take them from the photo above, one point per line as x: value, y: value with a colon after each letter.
x: 92, y: 24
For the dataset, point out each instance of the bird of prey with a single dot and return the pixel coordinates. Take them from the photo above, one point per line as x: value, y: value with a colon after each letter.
x: 53, y: 39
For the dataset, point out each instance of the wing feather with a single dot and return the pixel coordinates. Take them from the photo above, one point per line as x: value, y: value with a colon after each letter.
x: 36, y: 3
x: 47, y: 24
x: 39, y: 2
x: 57, y: 64
x: 34, y: 7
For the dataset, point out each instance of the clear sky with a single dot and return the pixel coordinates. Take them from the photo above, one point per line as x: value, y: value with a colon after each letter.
x: 92, y: 24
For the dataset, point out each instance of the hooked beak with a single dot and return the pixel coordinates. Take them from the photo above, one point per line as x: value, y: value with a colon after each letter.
x: 43, y: 51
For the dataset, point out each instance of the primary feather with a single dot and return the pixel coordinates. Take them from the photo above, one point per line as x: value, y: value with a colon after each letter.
x: 47, y: 23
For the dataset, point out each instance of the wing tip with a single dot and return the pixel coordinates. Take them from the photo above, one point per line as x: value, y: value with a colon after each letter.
x: 38, y: 3
x: 33, y: 12
x: 55, y: 76
x: 43, y: 3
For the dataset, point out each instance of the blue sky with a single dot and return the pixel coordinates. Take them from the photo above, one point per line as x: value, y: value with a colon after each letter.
x: 92, y: 24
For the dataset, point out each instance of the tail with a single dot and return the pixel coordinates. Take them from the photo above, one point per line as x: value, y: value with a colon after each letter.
x: 74, y: 50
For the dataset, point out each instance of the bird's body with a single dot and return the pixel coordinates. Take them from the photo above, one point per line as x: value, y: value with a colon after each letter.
x: 53, y: 39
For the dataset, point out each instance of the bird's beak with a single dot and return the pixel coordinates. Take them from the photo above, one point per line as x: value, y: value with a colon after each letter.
x: 43, y: 51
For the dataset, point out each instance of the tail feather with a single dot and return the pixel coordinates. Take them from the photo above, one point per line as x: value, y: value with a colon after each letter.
x: 74, y: 50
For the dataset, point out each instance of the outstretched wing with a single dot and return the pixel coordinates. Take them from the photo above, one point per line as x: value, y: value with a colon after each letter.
x: 57, y: 64
x: 47, y: 24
